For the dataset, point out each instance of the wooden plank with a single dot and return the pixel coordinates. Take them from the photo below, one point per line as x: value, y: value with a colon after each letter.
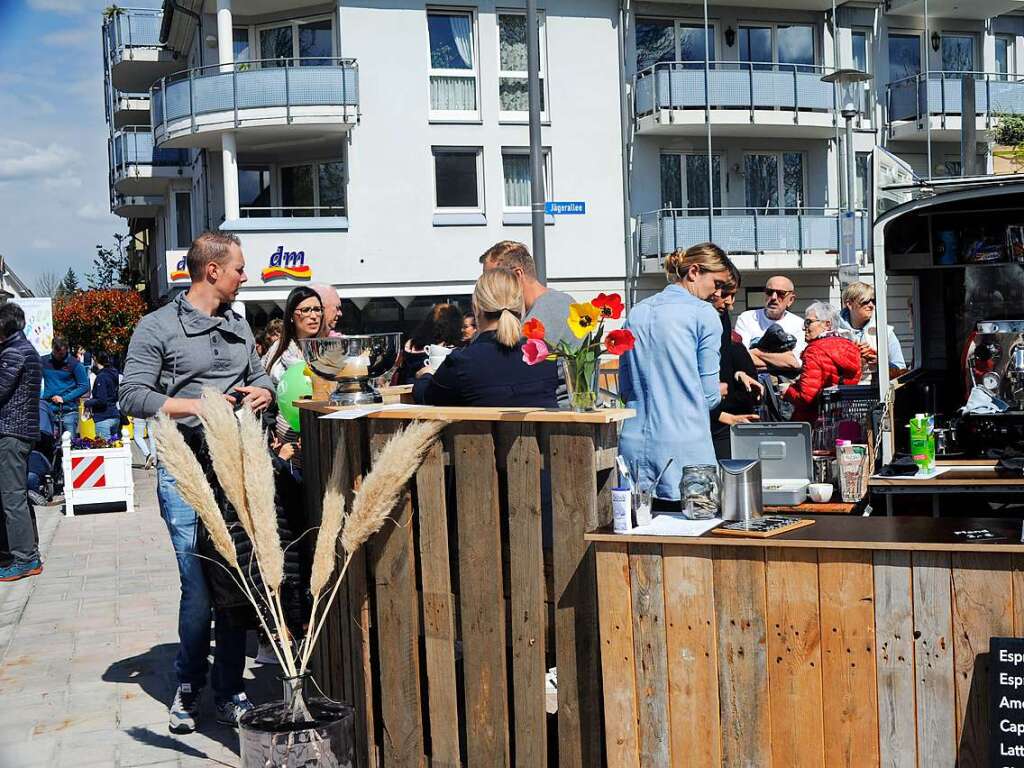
x: 1017, y: 562
x: 846, y: 585
x: 457, y: 414
x: 650, y: 660
x: 982, y: 609
x: 692, y: 655
x: 520, y: 453
x: 794, y: 654
x: 438, y: 611
x: 933, y: 653
x: 617, y: 664
x: 571, y: 457
x: 740, y: 613
x: 481, y: 595
x: 894, y: 659
x: 394, y: 573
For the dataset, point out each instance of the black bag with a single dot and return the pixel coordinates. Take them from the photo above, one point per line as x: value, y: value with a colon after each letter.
x: 775, y: 339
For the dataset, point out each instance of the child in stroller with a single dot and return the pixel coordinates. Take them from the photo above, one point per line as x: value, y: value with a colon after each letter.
x: 44, y: 462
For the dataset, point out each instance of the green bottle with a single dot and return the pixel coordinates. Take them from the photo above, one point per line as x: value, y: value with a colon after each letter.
x: 922, y: 441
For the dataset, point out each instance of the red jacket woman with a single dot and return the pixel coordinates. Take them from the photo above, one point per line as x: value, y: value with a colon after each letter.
x: 828, y: 360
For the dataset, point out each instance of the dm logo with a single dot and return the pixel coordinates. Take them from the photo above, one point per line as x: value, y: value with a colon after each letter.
x: 287, y: 264
x: 179, y: 272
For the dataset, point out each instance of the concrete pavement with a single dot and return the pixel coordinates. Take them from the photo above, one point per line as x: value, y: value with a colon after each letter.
x: 87, y: 648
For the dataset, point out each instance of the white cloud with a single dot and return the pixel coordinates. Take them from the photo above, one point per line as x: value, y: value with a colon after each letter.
x: 73, y: 37
x: 42, y: 243
x: 66, y: 180
x: 21, y: 160
x: 92, y: 212
x: 60, y: 6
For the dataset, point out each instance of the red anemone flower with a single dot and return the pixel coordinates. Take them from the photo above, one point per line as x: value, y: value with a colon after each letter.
x: 533, y: 329
x: 619, y: 341
x: 610, y: 305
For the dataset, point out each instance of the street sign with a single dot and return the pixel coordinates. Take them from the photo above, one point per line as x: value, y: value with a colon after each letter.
x: 847, y: 239
x: 565, y: 209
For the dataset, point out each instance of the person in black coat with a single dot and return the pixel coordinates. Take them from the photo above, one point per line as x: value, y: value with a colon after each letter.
x: 490, y: 371
x: 103, y: 403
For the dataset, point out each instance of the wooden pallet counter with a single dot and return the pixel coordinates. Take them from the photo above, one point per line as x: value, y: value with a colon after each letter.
x: 451, y: 617
x: 852, y: 642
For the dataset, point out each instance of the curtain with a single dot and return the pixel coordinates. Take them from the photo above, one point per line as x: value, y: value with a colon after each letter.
x: 462, y: 32
x: 453, y: 93
x: 517, y: 181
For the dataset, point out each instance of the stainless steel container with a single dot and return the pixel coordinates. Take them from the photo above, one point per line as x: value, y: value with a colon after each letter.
x: 741, y: 489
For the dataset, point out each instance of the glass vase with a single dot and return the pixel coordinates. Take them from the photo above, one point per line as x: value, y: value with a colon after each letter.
x: 581, y: 381
x: 298, y: 732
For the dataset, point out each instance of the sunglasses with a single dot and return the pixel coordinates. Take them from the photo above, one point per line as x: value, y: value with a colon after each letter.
x: 809, y: 323
x: 868, y: 303
x: 769, y: 292
x: 307, y: 311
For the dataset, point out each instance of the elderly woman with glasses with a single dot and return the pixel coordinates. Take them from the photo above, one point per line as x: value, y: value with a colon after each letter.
x: 858, y: 323
x: 829, y: 360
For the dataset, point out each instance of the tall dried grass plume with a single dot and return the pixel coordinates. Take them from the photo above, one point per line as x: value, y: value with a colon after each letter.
x: 259, y: 493
x: 221, y: 430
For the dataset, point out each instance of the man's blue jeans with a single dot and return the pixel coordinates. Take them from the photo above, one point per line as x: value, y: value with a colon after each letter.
x: 69, y: 421
x: 191, y: 663
x: 109, y: 429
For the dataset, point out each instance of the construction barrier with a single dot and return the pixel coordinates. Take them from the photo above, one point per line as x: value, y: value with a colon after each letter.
x: 97, y: 475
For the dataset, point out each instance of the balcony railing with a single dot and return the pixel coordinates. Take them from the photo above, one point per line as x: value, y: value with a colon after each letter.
x: 131, y: 28
x: 134, y: 146
x: 939, y: 93
x: 746, y: 230
x: 249, y: 85
x: 290, y: 211
x: 733, y: 85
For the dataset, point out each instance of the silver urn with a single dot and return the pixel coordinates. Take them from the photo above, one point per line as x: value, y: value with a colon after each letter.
x: 361, y: 365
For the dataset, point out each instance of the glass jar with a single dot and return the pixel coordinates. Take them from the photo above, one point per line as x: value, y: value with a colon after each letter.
x: 699, y: 492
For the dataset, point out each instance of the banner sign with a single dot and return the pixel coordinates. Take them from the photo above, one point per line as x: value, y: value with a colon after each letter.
x: 287, y: 264
x: 38, y: 322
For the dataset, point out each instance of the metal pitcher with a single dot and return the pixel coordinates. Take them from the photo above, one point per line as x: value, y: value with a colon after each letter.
x: 741, y: 489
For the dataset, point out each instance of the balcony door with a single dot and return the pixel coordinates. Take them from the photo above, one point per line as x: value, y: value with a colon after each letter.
x: 660, y: 41
x: 684, y: 182
x: 305, y: 43
x: 904, y: 56
x: 958, y: 53
x: 791, y: 46
x: 774, y: 182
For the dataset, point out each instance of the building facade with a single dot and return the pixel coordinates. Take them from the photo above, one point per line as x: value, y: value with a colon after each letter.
x: 381, y: 146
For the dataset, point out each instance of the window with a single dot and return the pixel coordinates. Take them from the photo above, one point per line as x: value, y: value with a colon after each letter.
x: 240, y: 43
x: 1006, y: 58
x: 904, y: 56
x: 457, y: 180
x: 691, y: 39
x: 791, y: 44
x: 307, y: 43
x: 957, y: 53
x: 515, y: 165
x: 684, y: 182
x: 655, y: 42
x: 313, y: 189
x: 774, y: 182
x: 756, y: 45
x: 254, y: 191
x: 452, y: 63
x: 863, y: 180
x: 182, y: 219
x: 860, y: 42
x: 512, y: 74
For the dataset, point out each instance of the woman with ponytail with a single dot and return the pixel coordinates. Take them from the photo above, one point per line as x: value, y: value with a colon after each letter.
x: 490, y: 371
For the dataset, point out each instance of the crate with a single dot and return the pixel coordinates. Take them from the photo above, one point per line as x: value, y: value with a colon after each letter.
x: 97, y: 475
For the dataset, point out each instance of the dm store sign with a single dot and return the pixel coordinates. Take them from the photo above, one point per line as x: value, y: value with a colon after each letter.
x: 285, y: 264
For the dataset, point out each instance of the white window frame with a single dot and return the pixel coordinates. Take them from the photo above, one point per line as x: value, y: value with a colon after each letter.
x: 480, y: 207
x: 781, y: 208
x: 278, y: 189
x: 172, y: 230
x: 774, y: 26
x: 679, y: 23
x: 525, y: 151
x: 454, y: 115
x: 867, y: 109
x: 254, y: 36
x: 1011, y: 54
x: 512, y: 116
x: 722, y: 181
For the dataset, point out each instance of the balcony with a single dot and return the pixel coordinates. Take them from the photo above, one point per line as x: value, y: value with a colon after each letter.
x: 125, y: 109
x: 131, y: 39
x: 762, y: 239
x: 738, y: 98
x: 934, y: 101
x: 269, y: 101
x: 135, y: 206
x: 137, y: 167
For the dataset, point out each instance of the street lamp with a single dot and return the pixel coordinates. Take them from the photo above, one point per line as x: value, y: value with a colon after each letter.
x: 850, y: 90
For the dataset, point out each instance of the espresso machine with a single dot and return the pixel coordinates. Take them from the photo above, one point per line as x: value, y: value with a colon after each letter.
x: 994, y: 361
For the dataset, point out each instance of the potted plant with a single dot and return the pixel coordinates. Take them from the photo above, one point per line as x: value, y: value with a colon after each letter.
x: 298, y: 729
x: 581, y: 365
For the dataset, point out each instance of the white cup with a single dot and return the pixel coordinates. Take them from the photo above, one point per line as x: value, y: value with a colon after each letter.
x: 436, y: 355
x: 820, y: 493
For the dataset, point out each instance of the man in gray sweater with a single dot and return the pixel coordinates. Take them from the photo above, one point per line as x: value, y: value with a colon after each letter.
x: 197, y: 341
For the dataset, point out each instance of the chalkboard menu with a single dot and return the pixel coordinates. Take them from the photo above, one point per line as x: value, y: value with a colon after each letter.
x: 1006, y: 695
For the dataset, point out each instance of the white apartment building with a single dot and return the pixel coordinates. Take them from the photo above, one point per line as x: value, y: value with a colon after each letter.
x: 381, y: 146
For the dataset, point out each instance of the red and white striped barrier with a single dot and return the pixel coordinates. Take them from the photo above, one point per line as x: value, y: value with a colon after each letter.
x: 97, y: 475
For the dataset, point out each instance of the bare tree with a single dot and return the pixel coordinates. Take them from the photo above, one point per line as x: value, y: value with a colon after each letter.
x: 47, y: 283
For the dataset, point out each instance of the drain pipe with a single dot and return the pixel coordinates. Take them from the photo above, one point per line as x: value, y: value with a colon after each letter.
x: 626, y: 123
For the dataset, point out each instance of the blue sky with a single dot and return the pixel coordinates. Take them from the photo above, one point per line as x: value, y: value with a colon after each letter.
x: 53, y: 137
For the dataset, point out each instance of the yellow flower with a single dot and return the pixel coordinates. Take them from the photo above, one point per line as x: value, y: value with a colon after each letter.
x: 583, y: 318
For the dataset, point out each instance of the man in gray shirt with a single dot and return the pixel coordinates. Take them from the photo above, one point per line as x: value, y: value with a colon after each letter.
x: 548, y: 305
x: 197, y: 341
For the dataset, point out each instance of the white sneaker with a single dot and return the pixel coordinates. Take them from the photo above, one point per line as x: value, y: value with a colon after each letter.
x: 265, y: 654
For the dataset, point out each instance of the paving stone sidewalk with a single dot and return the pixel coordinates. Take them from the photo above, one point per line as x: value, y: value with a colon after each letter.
x: 87, y: 649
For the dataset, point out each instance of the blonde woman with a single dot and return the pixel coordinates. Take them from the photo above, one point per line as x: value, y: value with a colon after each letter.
x: 670, y: 377
x: 858, y: 324
x: 490, y: 370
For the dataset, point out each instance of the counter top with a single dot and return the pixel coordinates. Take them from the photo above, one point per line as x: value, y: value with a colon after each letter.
x: 956, y: 475
x: 842, y: 532
x: 541, y: 415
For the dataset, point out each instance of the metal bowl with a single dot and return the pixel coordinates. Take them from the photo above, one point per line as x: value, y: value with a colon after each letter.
x: 360, y: 364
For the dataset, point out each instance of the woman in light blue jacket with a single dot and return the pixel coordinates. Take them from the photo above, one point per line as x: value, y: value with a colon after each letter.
x: 670, y: 377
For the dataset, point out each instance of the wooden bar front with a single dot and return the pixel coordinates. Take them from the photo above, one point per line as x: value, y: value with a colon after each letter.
x: 450, y: 619
x: 853, y: 642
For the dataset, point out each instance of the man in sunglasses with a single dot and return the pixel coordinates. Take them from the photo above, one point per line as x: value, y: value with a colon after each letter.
x: 779, y: 295
x: 858, y: 324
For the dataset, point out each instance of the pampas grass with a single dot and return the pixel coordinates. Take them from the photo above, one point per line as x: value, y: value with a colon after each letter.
x: 259, y: 493
x: 325, y: 555
x: 221, y: 430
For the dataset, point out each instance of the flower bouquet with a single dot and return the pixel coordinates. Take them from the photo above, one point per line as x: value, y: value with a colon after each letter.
x: 580, y: 364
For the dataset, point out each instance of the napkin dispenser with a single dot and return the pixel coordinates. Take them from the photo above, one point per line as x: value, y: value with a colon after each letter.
x: 741, y: 488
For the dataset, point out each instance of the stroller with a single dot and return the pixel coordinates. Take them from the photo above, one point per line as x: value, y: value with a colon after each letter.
x: 45, y: 472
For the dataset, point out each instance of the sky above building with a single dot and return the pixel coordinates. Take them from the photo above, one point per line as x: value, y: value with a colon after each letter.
x: 53, y: 136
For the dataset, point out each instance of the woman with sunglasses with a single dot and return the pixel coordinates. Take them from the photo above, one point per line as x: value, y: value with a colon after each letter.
x: 670, y: 377
x: 858, y: 323
x: 829, y: 360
